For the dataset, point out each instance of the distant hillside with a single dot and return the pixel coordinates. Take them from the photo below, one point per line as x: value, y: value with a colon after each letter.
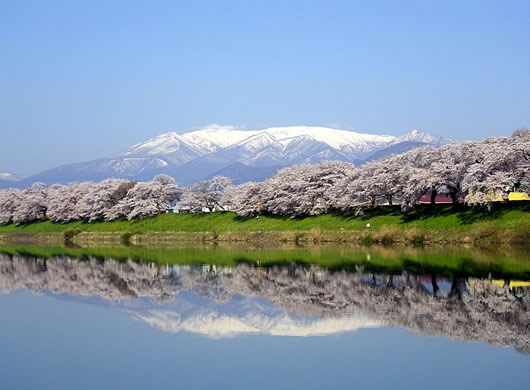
x: 240, y: 173
x: 398, y: 148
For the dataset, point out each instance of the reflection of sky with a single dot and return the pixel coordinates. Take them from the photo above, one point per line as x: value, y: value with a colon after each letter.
x: 49, y: 343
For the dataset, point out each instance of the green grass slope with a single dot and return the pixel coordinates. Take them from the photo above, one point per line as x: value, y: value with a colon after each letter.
x: 511, y: 216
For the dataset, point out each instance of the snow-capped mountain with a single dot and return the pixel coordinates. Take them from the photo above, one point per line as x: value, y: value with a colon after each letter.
x: 8, y: 180
x: 154, y: 154
x: 196, y: 155
x: 291, y: 145
x: 8, y: 177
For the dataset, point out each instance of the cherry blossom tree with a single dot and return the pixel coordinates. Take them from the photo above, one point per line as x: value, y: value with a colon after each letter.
x: 33, y: 204
x: 452, y: 166
x: 379, y: 181
x: 208, y: 193
x: 99, y: 199
x: 146, y: 199
x: 344, y: 193
x: 9, y: 201
x: 417, y: 176
x: 245, y: 199
x: 304, y: 189
x: 64, y: 201
x: 502, y: 165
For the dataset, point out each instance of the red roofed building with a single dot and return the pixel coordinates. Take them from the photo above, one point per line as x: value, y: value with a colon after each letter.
x: 440, y: 198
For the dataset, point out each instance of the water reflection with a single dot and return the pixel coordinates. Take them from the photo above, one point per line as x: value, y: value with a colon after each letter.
x: 294, y: 300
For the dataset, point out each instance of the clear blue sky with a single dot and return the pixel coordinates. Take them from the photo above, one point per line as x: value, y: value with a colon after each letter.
x: 83, y: 79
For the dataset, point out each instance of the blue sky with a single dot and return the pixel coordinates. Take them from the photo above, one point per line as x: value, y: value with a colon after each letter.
x: 83, y: 79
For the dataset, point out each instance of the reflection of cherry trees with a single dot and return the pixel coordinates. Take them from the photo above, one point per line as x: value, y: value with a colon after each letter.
x: 476, y: 172
x: 459, y: 307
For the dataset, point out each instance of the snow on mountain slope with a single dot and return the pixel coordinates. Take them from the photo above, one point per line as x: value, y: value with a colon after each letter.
x: 306, y: 149
x: 333, y: 137
x: 165, y: 144
x: 264, y: 149
x: 256, y: 141
x: 217, y: 137
x: 419, y: 136
x: 356, y: 144
x: 277, y: 144
x: 289, y: 145
x: 213, y: 138
x: 157, y: 152
x: 132, y: 166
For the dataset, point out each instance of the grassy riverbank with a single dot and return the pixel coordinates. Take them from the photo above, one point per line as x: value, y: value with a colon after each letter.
x: 508, y: 223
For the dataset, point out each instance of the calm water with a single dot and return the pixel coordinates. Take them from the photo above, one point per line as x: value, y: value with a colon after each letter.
x: 361, y: 318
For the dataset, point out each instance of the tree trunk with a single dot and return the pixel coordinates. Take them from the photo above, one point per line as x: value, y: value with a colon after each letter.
x: 433, y: 196
x: 453, y: 193
x: 389, y: 199
x: 457, y: 287
x: 435, y: 287
x: 373, y: 202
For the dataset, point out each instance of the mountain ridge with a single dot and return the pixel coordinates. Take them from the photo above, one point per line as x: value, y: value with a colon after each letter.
x: 195, y: 155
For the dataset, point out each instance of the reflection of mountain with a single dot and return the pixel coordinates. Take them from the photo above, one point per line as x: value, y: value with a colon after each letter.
x: 246, y: 316
x: 293, y: 300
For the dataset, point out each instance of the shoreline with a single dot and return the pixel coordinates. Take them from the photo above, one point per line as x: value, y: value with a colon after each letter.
x: 497, y: 261
x: 403, y: 237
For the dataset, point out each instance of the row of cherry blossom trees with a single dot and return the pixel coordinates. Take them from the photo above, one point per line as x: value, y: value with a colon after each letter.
x: 477, y: 172
x: 107, y: 200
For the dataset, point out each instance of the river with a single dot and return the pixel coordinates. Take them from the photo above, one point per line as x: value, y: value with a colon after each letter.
x: 264, y: 318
